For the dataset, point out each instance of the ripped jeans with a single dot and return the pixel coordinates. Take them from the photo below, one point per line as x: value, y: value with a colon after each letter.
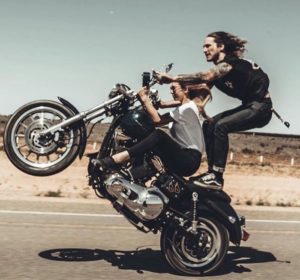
x: 247, y: 116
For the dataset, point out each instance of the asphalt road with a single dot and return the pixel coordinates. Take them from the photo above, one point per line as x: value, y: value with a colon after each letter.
x: 58, y: 240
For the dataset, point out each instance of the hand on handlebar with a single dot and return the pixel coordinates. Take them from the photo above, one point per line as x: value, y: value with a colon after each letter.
x: 163, y: 78
x: 143, y: 93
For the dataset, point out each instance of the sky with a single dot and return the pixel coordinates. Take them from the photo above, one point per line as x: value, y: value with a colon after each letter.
x: 78, y: 49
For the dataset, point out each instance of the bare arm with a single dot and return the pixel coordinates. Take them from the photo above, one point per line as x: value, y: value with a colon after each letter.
x: 155, y: 116
x: 200, y: 103
x: 146, y: 102
x: 169, y: 104
x: 212, y: 74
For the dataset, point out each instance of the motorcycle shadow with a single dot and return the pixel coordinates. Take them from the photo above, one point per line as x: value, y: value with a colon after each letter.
x: 237, y: 257
x: 140, y: 260
x: 151, y: 260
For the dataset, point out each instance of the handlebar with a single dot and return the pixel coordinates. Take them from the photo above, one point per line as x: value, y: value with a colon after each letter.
x: 149, y: 81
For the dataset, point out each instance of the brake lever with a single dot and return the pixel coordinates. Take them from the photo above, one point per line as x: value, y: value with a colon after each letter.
x: 169, y: 67
x: 166, y: 68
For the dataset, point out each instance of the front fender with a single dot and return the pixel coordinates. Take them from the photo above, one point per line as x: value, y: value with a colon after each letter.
x: 83, y: 136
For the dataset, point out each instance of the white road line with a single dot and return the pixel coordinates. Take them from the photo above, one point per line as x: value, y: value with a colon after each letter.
x: 273, y: 221
x: 60, y: 214
x: 118, y: 216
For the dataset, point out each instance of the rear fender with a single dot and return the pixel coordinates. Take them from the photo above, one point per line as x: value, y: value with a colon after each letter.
x: 83, y: 135
x: 225, y: 214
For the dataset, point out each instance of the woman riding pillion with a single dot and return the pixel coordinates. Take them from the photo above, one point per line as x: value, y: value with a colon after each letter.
x: 238, y: 78
x: 182, y: 149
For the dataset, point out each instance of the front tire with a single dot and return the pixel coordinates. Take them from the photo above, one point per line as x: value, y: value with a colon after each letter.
x: 41, y: 155
x: 196, y: 255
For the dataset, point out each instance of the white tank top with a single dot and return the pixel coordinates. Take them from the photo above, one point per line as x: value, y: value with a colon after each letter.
x: 186, y: 129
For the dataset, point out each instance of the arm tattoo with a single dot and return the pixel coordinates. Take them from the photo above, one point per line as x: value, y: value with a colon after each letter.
x: 205, y: 77
x: 220, y: 70
x: 199, y: 77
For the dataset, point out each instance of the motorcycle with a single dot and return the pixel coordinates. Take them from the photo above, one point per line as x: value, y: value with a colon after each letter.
x: 44, y: 137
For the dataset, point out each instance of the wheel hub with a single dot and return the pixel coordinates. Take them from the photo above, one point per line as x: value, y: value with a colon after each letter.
x: 41, y: 144
x: 197, y: 247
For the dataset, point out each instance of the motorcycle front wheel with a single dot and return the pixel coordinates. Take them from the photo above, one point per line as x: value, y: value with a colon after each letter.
x: 195, y: 254
x: 36, y: 154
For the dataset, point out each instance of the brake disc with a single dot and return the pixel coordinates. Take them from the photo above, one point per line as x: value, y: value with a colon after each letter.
x: 41, y: 144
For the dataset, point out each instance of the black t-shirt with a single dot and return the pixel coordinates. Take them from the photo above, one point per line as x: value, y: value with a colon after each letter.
x: 245, y: 81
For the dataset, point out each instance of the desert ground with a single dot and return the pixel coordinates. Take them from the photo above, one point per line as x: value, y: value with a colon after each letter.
x: 247, y: 185
x: 262, y: 170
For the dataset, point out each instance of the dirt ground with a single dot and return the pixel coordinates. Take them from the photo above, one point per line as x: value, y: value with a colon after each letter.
x: 247, y: 185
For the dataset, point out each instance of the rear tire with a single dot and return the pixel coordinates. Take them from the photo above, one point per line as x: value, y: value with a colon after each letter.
x: 203, y: 254
x: 36, y: 155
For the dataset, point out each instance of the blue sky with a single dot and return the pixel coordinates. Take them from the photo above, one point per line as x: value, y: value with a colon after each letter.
x: 79, y: 49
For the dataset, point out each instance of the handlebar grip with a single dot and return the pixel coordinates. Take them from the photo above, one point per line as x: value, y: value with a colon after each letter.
x: 152, y: 83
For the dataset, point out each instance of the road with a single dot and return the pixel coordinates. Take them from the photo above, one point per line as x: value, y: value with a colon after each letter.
x: 71, y: 240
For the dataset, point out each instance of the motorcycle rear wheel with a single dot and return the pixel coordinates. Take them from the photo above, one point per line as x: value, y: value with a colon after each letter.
x: 199, y: 255
x: 35, y: 154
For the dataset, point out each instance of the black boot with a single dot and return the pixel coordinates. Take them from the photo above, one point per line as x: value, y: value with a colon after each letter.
x: 106, y: 163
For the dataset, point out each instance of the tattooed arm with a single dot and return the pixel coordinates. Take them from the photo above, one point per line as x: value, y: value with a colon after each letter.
x: 218, y: 71
x: 206, y: 76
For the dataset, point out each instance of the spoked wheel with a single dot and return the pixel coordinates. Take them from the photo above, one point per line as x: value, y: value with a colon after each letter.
x: 38, y: 154
x: 195, y: 254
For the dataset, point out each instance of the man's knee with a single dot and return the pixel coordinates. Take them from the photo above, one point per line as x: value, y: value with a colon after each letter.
x: 208, y: 127
x: 221, y: 129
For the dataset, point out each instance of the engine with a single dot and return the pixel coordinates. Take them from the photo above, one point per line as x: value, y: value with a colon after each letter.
x: 145, y: 203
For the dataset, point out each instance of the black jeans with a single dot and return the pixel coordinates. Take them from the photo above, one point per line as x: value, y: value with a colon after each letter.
x: 183, y: 162
x: 247, y: 116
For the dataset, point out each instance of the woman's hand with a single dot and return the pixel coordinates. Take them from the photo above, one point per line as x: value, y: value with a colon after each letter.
x: 147, y: 104
x: 143, y: 94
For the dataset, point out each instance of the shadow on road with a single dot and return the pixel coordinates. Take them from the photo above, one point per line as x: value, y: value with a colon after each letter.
x: 153, y: 261
x: 237, y: 257
x: 138, y: 260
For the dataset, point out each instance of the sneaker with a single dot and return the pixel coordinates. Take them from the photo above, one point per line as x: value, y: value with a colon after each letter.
x: 196, y: 178
x: 210, y: 181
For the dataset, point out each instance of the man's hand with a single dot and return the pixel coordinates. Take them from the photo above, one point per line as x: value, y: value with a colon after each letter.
x: 163, y: 78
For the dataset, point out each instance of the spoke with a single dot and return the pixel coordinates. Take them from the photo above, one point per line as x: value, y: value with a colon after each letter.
x: 32, y: 118
x: 21, y: 146
x: 37, y: 158
x: 48, y: 159
x: 29, y: 153
x: 43, y: 118
x: 24, y: 125
x: 20, y: 135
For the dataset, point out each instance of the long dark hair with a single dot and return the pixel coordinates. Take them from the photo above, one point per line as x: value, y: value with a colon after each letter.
x: 233, y: 45
x: 199, y: 90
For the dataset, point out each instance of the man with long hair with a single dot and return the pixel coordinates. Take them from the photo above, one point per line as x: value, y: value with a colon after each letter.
x: 239, y: 78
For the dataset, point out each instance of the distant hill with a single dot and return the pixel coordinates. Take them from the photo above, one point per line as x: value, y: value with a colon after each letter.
x: 3, y: 120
